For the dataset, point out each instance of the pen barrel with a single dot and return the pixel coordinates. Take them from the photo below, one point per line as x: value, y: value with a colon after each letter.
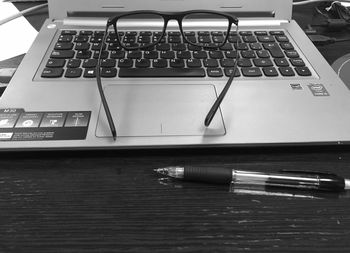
x: 312, y: 181
x: 214, y: 175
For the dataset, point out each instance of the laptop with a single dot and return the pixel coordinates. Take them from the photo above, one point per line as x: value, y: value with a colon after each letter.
x: 284, y: 93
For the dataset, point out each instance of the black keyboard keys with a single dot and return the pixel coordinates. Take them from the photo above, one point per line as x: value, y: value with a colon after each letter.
x: 260, y: 53
x: 161, y: 72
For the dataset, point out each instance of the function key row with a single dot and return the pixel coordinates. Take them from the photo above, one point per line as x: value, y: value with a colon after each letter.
x: 173, y: 33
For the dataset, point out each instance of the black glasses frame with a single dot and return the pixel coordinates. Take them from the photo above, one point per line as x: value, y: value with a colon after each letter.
x: 167, y: 16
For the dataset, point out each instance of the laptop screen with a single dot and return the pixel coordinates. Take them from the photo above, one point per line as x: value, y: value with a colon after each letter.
x: 280, y: 9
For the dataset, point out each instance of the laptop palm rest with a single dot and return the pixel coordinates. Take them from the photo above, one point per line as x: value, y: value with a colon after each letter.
x: 159, y: 110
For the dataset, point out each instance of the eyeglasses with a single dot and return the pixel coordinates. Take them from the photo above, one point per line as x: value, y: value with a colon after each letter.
x: 128, y: 36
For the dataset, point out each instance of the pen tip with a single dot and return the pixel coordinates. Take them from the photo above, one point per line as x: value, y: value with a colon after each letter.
x: 163, y: 171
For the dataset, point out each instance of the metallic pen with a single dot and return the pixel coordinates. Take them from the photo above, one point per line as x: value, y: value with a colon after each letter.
x: 287, y: 179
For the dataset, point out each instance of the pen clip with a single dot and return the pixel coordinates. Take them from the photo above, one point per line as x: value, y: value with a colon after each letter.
x: 308, y: 172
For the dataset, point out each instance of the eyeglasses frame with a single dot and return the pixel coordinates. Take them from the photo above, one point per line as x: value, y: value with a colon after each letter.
x: 167, y: 16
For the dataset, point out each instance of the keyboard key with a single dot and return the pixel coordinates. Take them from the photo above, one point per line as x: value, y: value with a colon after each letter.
x: 200, y: 55
x: 263, y: 54
x: 260, y: 33
x: 266, y: 38
x: 251, y: 72
x: 84, y: 54
x: 64, y: 46
x: 245, y: 33
x: 55, y: 63
x: 81, y: 38
x: 160, y: 63
x: 255, y: 46
x: 82, y: 46
x: 216, y: 54
x: 270, y: 71
x: 241, y: 46
x: 282, y: 38
x: 163, y: 47
x: 292, y: 54
x: 227, y: 63
x: 244, y: 63
x: 226, y: 47
x: 52, y: 72
x: 231, y: 54
x: 150, y: 54
x: 184, y: 55
x: 303, y: 71
x: 162, y: 72
x: 177, y: 63
x: 210, y: 63
x: 167, y: 54
x: 117, y: 54
x: 287, y: 46
x: 62, y: 54
x: 108, y: 63
x: 73, y: 63
x: 297, y: 62
x: 125, y: 63
x: 248, y: 54
x: 90, y: 73
x: 277, y: 33
x: 281, y: 62
x: 263, y: 63
x: 96, y: 46
x: 85, y: 32
x: 178, y: 47
x: 274, y: 50
x: 65, y: 38
x: 104, y: 54
x: 194, y: 63
x: 108, y: 72
x: 142, y: 63
x: 286, y: 71
x: 215, y: 72
x: 228, y: 72
x: 89, y: 63
x: 134, y: 54
x: 73, y: 73
x: 68, y: 32
x: 249, y: 39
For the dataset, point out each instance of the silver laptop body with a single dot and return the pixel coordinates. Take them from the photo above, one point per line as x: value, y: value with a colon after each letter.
x: 66, y: 113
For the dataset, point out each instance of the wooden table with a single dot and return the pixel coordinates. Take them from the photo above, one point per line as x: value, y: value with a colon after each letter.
x: 112, y: 201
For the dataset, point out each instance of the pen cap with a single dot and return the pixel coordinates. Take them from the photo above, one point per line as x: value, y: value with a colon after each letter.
x: 216, y: 175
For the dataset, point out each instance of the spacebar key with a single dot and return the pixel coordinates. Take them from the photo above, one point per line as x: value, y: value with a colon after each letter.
x: 161, y: 72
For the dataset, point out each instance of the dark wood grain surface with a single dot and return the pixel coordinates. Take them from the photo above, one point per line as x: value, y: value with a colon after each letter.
x: 112, y: 201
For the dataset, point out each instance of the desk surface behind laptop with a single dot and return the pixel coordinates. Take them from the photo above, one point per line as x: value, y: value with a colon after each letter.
x: 113, y: 202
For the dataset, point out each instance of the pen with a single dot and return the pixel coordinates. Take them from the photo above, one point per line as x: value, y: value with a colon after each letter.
x: 287, y: 179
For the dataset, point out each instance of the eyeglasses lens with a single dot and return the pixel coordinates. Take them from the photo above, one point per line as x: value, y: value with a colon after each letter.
x: 132, y: 36
x: 204, y: 22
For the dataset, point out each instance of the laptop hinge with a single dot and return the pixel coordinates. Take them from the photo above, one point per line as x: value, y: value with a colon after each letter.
x: 85, y: 22
x: 101, y: 22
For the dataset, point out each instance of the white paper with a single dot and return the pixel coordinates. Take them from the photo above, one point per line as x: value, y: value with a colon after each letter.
x: 16, y: 36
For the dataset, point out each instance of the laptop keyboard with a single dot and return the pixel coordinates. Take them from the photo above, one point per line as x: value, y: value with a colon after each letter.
x: 261, y: 54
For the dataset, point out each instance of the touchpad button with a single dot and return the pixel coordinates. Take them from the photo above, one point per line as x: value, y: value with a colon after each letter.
x: 160, y: 110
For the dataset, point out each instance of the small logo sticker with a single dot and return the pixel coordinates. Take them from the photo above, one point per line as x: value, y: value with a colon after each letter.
x: 5, y: 136
x: 318, y: 89
x: 296, y: 86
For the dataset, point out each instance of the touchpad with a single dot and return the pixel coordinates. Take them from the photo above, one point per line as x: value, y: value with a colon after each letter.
x: 159, y: 110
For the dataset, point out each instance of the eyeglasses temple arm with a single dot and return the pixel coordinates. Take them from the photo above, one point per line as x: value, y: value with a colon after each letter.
x: 218, y: 101
x: 100, y: 89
